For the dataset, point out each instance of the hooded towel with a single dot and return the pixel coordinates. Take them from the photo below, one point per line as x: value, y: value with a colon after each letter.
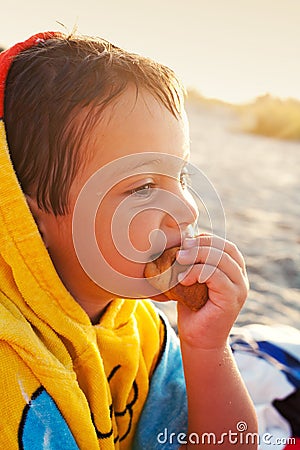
x: 65, y: 384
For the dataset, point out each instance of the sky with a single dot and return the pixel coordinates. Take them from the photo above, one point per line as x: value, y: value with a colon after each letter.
x: 233, y: 50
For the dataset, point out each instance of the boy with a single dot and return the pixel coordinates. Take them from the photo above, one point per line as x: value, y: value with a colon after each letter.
x: 80, y: 366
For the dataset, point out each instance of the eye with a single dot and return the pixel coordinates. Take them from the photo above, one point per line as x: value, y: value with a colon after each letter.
x: 185, y: 179
x: 143, y: 191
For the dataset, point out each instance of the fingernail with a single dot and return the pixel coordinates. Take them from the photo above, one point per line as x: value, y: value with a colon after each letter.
x: 183, y: 253
x: 189, y: 242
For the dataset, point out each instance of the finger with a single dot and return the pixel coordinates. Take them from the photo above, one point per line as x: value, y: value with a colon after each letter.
x: 217, y: 282
x: 213, y: 240
x: 203, y: 273
x: 209, y: 240
x: 205, y: 239
x: 211, y: 257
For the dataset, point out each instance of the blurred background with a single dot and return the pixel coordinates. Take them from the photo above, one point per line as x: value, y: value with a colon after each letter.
x: 240, y: 62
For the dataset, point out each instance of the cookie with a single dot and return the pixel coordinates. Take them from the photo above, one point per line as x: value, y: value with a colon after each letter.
x: 165, y: 280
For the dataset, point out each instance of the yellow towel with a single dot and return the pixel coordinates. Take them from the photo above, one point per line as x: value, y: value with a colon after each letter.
x: 94, y: 380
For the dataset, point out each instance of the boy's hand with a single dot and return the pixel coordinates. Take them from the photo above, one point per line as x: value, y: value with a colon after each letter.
x: 219, y: 264
x: 217, y: 397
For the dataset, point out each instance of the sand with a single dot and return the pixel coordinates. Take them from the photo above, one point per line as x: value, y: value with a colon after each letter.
x: 258, y: 182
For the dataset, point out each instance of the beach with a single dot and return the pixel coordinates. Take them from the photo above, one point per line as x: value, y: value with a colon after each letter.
x: 256, y: 183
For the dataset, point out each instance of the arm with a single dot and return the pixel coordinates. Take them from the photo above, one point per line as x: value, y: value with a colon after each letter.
x: 217, y: 397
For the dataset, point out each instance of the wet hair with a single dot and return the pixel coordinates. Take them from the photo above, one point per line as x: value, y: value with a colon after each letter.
x: 49, y: 86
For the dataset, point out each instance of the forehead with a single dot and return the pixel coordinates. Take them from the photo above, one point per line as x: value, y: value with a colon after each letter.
x: 136, y: 123
x: 134, y: 135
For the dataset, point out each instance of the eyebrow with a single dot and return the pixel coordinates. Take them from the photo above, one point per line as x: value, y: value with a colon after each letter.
x: 133, y: 167
x: 153, y: 162
x: 157, y: 162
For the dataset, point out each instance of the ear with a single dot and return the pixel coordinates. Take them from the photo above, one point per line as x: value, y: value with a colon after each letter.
x: 38, y: 215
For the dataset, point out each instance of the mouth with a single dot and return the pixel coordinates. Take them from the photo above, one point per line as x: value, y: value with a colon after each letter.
x: 189, y: 232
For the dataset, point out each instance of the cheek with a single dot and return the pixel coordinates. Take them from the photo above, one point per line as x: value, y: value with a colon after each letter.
x: 114, y: 241
x: 144, y: 232
x: 128, y: 242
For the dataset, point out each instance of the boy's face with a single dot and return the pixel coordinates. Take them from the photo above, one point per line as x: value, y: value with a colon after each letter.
x: 142, y: 203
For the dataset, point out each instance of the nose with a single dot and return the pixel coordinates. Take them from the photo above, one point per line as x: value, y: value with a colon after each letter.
x: 181, y: 210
